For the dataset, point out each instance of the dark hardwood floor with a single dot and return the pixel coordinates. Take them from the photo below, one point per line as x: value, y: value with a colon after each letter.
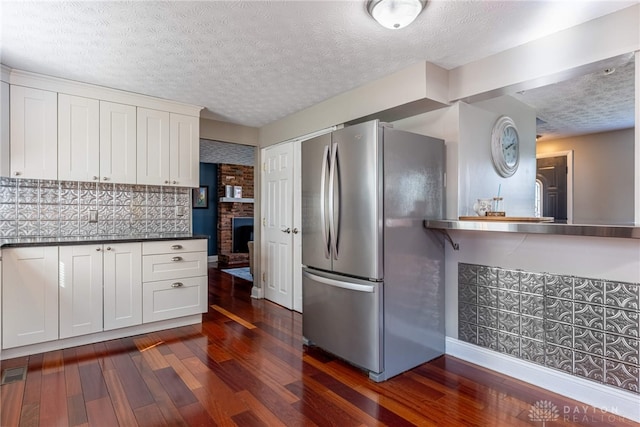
x: 246, y: 366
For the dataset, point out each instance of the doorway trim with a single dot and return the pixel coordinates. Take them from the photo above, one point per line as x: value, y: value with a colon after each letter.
x: 569, y: 155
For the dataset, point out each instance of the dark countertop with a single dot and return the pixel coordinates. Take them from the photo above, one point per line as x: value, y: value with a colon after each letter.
x: 89, y: 240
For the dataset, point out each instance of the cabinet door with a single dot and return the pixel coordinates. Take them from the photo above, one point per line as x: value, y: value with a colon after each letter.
x: 78, y: 138
x: 122, y: 285
x: 185, y: 150
x: 153, y: 163
x: 80, y: 290
x: 117, y: 143
x: 29, y: 295
x: 4, y: 129
x: 34, y: 133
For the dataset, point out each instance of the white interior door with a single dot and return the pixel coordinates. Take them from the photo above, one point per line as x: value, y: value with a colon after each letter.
x: 277, y: 223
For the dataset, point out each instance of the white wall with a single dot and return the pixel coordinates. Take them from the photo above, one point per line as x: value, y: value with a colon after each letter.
x: 603, y: 175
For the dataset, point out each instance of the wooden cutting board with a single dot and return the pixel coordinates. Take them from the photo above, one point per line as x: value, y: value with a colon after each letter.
x: 507, y: 218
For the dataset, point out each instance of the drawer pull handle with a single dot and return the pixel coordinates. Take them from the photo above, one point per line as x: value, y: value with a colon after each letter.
x: 177, y: 285
x: 176, y: 258
x: 176, y: 247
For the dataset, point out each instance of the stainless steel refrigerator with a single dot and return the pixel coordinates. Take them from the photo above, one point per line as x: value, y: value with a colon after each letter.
x: 373, y: 277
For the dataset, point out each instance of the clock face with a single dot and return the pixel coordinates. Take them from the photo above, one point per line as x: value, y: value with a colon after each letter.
x: 510, y: 146
x: 505, y: 146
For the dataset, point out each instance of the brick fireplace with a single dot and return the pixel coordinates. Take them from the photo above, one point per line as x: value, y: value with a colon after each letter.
x: 235, y: 175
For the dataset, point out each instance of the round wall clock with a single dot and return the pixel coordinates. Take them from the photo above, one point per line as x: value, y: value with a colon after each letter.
x: 505, y: 146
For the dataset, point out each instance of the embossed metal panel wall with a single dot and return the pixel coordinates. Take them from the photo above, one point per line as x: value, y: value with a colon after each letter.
x: 42, y: 208
x: 586, y: 327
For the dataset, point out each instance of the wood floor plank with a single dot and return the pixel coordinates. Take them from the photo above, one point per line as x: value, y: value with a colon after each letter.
x: 147, y: 345
x: 53, y: 362
x: 100, y: 413
x: 30, y: 415
x: 76, y: 410
x: 216, y: 394
x: 150, y: 416
x: 175, y: 387
x: 11, y: 400
x: 161, y: 397
x: 134, y: 386
x: 195, y: 415
x: 93, y: 386
x: 119, y: 401
x: 53, y: 400
x: 187, y: 377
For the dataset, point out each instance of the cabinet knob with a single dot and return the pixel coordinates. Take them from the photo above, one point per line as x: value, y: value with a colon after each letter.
x: 287, y: 230
x: 166, y: 182
x: 177, y: 285
x: 95, y: 178
x: 108, y: 248
x: 17, y: 173
x: 98, y: 249
x: 176, y: 258
x: 176, y: 247
x: 106, y: 178
x: 174, y: 182
x: 295, y: 231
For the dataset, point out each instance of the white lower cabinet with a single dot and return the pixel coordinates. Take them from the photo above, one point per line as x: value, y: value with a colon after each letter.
x: 29, y: 295
x: 58, y: 292
x: 174, y: 275
x: 100, y: 288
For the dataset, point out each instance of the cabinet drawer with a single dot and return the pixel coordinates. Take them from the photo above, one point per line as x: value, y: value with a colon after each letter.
x: 168, y: 299
x: 173, y: 266
x: 173, y: 246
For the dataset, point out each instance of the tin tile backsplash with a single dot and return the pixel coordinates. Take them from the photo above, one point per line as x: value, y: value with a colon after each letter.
x: 40, y: 208
x: 583, y: 326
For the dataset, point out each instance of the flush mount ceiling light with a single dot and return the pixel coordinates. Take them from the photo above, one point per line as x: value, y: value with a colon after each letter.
x: 395, y: 14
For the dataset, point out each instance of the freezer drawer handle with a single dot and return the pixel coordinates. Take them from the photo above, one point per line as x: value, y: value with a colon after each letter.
x: 176, y: 247
x: 339, y: 284
x: 176, y: 258
x: 177, y: 285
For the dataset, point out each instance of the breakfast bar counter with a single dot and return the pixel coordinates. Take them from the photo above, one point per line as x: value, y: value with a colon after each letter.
x: 531, y: 227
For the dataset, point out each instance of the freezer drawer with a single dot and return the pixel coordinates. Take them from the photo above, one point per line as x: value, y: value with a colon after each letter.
x: 343, y: 316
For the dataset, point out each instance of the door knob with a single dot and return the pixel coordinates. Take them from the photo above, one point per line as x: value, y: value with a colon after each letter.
x: 287, y: 230
x: 295, y: 231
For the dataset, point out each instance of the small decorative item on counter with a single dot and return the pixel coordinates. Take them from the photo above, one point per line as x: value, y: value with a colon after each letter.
x: 497, y: 207
x: 237, y: 192
x: 482, y: 207
x: 228, y: 191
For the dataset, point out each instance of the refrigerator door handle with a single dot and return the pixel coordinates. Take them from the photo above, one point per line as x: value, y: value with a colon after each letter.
x: 323, y: 213
x: 339, y: 284
x: 333, y: 231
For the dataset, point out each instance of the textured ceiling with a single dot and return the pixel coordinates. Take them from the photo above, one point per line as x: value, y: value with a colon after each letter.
x: 253, y: 62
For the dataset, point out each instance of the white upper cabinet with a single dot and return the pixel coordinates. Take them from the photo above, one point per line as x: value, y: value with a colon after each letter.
x: 78, y: 138
x: 168, y: 148
x: 185, y: 151
x: 58, y: 129
x: 153, y: 147
x: 117, y: 143
x: 34, y: 133
x: 4, y: 129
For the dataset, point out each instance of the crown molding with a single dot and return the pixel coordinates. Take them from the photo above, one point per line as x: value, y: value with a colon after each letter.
x: 71, y: 87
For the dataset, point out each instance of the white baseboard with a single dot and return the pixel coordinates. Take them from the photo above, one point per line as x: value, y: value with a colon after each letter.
x: 609, y: 401
x: 212, y: 258
x: 257, y: 292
